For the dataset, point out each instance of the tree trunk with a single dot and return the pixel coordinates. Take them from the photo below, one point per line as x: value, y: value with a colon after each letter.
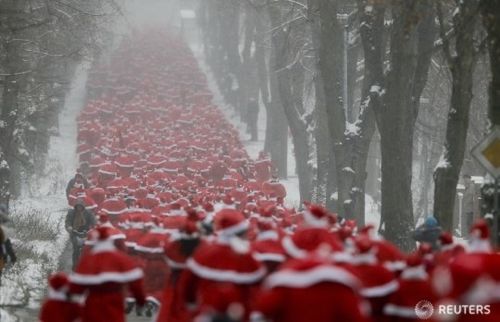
x: 409, y: 62
x: 15, y: 66
x: 491, y: 21
x: 330, y: 61
x: 321, y: 130
x: 291, y: 83
x: 447, y: 174
x: 250, y: 88
x: 229, y: 36
x: 262, y: 74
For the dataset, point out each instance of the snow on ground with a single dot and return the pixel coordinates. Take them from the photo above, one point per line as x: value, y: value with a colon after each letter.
x: 37, y: 219
x: 372, y: 212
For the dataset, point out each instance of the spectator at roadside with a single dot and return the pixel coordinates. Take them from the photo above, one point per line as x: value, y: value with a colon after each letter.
x: 7, y: 254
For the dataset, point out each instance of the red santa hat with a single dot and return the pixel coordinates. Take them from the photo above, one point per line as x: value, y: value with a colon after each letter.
x: 58, y: 281
x: 103, y: 234
x: 351, y: 224
x: 108, y: 169
x: 480, y: 230
x: 114, y: 206
x: 103, y: 239
x: 176, y: 209
x: 190, y: 228
x: 89, y: 203
x: 316, y: 215
x: 98, y: 195
x: 415, y: 268
x: 424, y: 249
x: 268, y: 250
x: 480, y: 237
x: 230, y: 222
x: 103, y: 217
x: 446, y: 241
x: 364, y: 250
x: 445, y: 238
x: 208, y: 207
x: 58, y: 286
x: 367, y: 230
x: 124, y: 161
x: 228, y: 201
x: 345, y: 233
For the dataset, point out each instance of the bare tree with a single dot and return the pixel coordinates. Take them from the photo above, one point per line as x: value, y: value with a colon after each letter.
x: 491, y: 20
x: 42, y: 42
x: 395, y: 95
x: 460, y: 59
x: 289, y: 43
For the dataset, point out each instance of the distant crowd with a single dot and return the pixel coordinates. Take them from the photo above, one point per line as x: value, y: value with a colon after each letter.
x: 170, y: 218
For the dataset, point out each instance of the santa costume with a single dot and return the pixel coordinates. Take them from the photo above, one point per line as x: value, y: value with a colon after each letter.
x: 105, y: 273
x: 414, y: 287
x: 222, y: 275
x: 310, y: 289
x: 378, y: 282
x: 60, y: 305
x: 177, y: 252
x: 313, y: 233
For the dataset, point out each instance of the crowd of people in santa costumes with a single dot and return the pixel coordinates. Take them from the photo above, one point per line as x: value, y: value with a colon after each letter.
x: 187, y: 227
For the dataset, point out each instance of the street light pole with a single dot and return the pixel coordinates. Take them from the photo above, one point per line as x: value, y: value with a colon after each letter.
x: 344, y: 20
x: 346, y: 45
x: 495, y: 212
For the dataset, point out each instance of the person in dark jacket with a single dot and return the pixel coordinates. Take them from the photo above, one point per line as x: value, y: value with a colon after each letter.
x: 428, y: 232
x: 7, y: 254
x: 78, y: 222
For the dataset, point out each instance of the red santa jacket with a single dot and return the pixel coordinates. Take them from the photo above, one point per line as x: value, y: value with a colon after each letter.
x: 310, y: 290
x: 378, y: 283
x: 59, y: 308
x: 414, y: 288
x: 105, y: 273
x: 306, y: 240
x: 219, y: 268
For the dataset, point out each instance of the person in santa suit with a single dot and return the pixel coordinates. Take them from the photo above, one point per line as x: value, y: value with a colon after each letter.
x: 472, y: 278
x: 60, y: 305
x: 115, y: 234
x: 177, y: 251
x: 222, y: 275
x: 150, y: 248
x: 105, y: 274
x: 386, y: 252
x: 310, y: 289
x: 414, y: 287
x: 267, y: 246
x: 314, y: 232
x: 378, y: 282
x: 448, y: 249
x: 263, y: 168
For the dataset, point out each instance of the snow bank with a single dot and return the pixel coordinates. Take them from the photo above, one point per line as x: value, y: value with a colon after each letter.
x: 37, y: 219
